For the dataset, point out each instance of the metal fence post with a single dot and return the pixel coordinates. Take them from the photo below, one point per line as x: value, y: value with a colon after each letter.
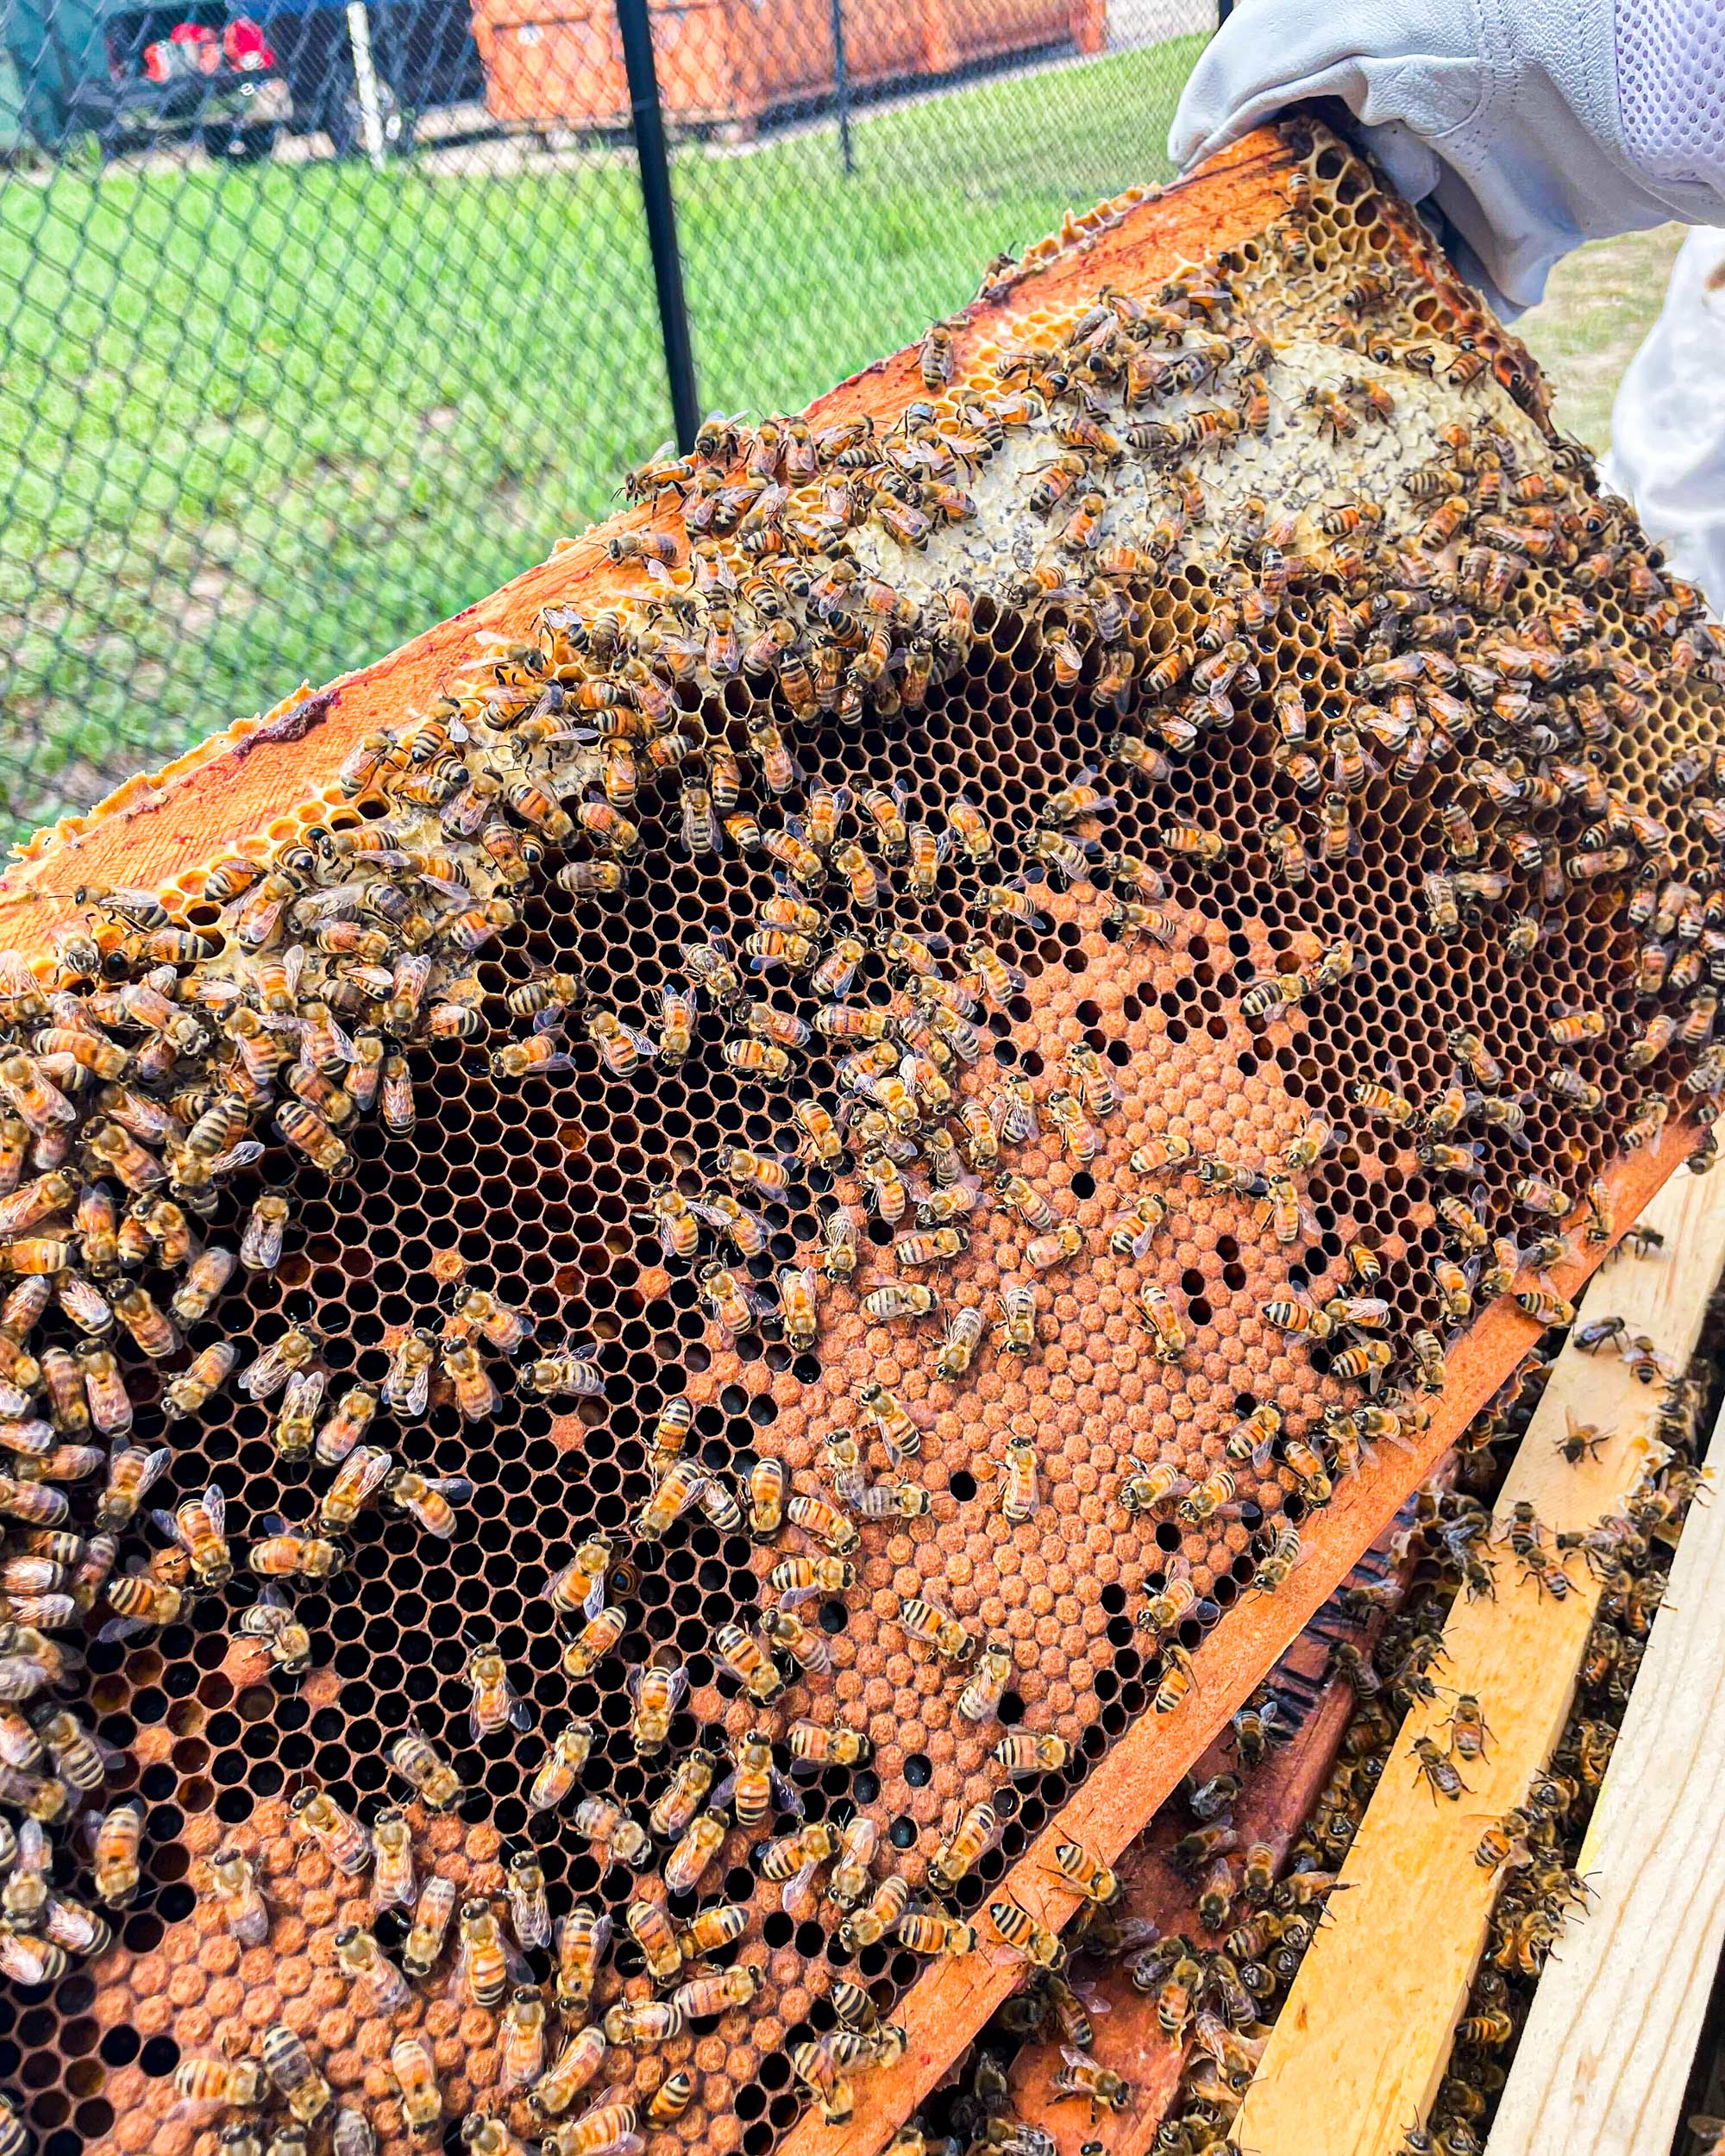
x: 654, y: 162
x: 841, y: 87
x: 1224, y: 9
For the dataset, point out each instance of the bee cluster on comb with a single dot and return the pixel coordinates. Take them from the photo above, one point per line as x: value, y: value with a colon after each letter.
x: 726, y: 1256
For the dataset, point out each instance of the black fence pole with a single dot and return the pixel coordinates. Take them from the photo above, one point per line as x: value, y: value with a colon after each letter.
x: 1224, y: 9
x: 841, y: 87
x: 653, y: 161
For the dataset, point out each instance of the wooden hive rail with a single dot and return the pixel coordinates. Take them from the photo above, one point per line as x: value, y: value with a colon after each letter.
x: 1604, y: 2054
x: 1362, y: 2040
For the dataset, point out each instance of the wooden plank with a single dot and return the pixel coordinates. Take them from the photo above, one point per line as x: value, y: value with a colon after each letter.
x: 1361, y: 2043
x: 1605, y: 2053
x: 948, y: 2001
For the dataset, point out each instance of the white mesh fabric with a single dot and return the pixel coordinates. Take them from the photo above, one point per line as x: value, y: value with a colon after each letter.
x: 1670, y: 88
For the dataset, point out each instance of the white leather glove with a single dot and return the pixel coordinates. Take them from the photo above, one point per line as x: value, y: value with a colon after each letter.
x: 1531, y: 124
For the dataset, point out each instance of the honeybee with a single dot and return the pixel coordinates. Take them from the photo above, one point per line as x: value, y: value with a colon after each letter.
x: 239, y: 2083
x: 416, y: 2077
x: 653, y: 1932
x: 656, y: 1692
x: 977, y: 1831
x: 1079, y: 2075
x: 848, y: 1880
x: 336, y: 1833
x: 116, y: 1840
x: 577, y: 1589
x: 1156, y: 1312
x: 1206, y: 1500
x: 1436, y: 1771
x: 924, y: 1931
x: 199, y: 1527
x: 730, y: 1301
x: 1018, y: 1320
x: 815, y: 2066
x: 427, y: 1500
x: 281, y: 1554
x: 611, y: 1832
x: 1044, y: 1251
x: 1084, y: 1142
x: 1534, y: 1195
x: 671, y: 1432
x: 1095, y: 1881
x: 483, y: 1961
x: 132, y: 1471
x: 423, y: 1768
x: 748, y: 1662
x: 1000, y: 983
x: 929, y: 1625
x: 1018, y: 1480
x: 889, y: 1419
x: 797, y: 1314
x: 393, y: 1854
x: 819, y: 1140
x: 288, y: 2063
x: 819, y: 1519
x: 765, y: 1498
x: 1015, y: 1926
x: 1251, y: 1439
x: 795, y: 1579
x: 1178, y: 1678
x: 558, y: 2086
x: 494, y: 1701
x: 813, y: 1746
x: 1143, y: 1490
x: 1467, y: 1728
x: 1284, y: 1211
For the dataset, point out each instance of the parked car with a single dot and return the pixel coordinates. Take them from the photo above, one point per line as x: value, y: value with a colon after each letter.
x: 233, y: 76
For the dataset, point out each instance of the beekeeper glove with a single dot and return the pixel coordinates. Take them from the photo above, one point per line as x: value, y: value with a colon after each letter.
x: 1531, y: 124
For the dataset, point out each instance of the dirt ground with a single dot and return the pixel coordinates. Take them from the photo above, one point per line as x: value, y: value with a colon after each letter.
x: 1600, y: 303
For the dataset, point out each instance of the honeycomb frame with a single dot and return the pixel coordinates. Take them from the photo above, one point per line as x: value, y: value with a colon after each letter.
x: 569, y: 1159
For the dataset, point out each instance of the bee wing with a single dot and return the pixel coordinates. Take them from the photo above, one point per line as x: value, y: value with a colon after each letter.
x: 456, y: 1487
x: 797, y: 1886
x: 155, y: 1463
x: 33, y: 1846
x: 1145, y: 1236
x: 785, y: 1795
x: 520, y: 1714
x: 215, y: 1504
x: 122, y: 1629
x: 763, y: 1303
x: 374, y: 1476
x: 165, y: 1523
x: 203, y: 2108
x: 721, y: 1796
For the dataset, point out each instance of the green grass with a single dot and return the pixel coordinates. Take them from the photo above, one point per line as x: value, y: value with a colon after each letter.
x: 261, y: 425
x: 1600, y: 303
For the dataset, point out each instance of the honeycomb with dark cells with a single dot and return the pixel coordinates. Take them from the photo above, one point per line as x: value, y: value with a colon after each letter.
x: 1525, y: 660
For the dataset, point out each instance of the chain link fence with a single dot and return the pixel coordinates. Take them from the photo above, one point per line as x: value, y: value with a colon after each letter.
x: 316, y: 324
